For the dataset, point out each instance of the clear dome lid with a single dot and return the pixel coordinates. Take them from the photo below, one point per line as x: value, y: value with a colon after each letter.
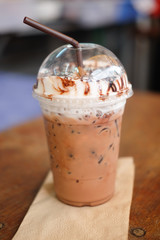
x: 102, y: 74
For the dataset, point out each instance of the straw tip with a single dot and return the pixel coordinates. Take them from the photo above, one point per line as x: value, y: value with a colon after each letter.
x: 24, y: 19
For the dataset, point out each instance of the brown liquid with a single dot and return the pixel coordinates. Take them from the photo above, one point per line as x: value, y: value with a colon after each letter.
x: 83, y: 155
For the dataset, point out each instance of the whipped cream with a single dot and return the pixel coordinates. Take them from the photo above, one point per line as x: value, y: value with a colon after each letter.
x: 101, y: 79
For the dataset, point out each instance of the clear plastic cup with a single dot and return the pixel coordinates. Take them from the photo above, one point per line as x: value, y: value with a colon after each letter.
x: 83, y: 125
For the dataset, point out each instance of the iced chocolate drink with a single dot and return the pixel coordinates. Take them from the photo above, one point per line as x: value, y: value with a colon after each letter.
x: 82, y: 109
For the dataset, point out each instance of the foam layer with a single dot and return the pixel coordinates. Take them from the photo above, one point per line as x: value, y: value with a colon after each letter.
x: 101, y: 79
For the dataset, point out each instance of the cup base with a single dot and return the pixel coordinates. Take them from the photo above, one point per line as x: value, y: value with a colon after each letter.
x: 81, y: 204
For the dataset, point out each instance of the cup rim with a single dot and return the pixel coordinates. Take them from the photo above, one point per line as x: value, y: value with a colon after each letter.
x: 77, y: 103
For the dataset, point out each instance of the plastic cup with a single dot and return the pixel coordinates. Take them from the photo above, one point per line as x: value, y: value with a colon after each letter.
x: 83, y: 132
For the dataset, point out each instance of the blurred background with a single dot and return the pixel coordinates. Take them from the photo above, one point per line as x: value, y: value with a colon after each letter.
x: 129, y: 28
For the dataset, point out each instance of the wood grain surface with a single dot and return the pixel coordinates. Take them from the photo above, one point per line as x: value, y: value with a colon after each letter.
x: 24, y: 163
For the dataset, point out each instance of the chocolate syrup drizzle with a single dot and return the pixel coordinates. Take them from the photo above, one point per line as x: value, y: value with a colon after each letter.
x: 87, y: 88
x: 67, y: 83
x: 111, y: 86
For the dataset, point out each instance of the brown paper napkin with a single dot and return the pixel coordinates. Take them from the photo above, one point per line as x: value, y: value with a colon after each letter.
x: 49, y: 219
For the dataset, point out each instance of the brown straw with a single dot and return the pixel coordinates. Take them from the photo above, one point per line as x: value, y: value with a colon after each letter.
x: 57, y: 34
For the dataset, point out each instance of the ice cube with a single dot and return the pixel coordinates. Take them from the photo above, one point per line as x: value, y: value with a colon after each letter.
x: 108, y: 73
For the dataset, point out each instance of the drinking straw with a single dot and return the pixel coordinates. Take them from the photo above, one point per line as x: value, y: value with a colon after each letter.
x: 57, y: 34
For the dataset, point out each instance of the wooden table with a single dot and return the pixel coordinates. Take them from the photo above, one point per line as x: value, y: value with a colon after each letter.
x: 24, y: 165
